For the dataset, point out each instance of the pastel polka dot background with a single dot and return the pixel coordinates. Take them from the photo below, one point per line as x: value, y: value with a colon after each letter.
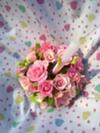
x: 24, y: 22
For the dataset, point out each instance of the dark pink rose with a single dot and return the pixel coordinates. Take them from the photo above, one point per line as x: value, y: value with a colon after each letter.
x: 46, y: 88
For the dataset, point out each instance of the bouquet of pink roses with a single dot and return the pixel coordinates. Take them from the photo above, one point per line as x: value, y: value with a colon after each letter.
x: 43, y: 84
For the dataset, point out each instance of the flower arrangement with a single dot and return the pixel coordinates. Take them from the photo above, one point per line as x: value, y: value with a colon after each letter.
x: 49, y: 81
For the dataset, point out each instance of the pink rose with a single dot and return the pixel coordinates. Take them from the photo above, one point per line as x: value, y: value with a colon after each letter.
x: 38, y: 71
x: 61, y: 81
x: 47, y: 46
x: 79, y: 64
x: 49, y: 55
x: 31, y: 56
x: 46, y: 88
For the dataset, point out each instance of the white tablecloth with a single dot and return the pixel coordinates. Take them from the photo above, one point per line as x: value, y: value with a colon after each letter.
x: 25, y: 22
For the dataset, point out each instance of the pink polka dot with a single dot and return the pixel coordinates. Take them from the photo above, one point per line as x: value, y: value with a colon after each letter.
x: 42, y: 126
x: 86, y: 94
x: 71, y: 131
x: 83, y: 131
x: 98, y: 56
x: 93, y: 128
x: 48, y: 131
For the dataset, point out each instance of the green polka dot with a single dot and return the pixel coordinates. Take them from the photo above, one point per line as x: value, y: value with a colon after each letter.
x: 97, y: 88
x: 7, y: 74
x: 22, y: 8
x: 19, y: 99
x: 15, y: 124
x: 28, y: 43
x: 49, y: 110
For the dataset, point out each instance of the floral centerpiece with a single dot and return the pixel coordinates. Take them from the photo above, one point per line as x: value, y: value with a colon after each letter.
x: 47, y: 80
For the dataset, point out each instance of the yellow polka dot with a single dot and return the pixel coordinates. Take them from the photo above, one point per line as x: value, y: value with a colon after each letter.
x: 85, y: 115
x: 97, y: 96
x: 30, y: 129
x: 19, y: 99
x: 82, y: 40
x: 23, y: 24
x: 1, y: 117
x: 91, y: 17
x: 12, y: 38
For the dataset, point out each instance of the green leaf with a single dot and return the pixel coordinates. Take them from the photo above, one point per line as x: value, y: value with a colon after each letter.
x: 39, y: 55
x: 50, y: 101
x: 37, y: 45
x: 59, y: 62
x: 33, y: 98
x: 17, y: 76
x: 78, y: 91
x: 24, y: 63
x: 64, y: 70
x: 74, y: 60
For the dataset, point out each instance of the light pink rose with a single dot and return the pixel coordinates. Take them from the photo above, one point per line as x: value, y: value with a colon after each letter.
x: 20, y: 71
x: 25, y: 82
x: 49, y: 55
x: 46, y: 88
x: 33, y: 88
x: 27, y: 85
x: 72, y: 91
x: 38, y: 71
x: 61, y: 81
x: 66, y: 97
x: 31, y: 56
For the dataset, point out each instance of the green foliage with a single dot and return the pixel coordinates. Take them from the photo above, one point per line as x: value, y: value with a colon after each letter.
x: 59, y: 61
x: 33, y: 98
x: 74, y: 60
x: 78, y: 91
x: 39, y: 55
x: 37, y: 45
x: 64, y: 70
x: 50, y: 101
x: 24, y: 63
x: 17, y: 76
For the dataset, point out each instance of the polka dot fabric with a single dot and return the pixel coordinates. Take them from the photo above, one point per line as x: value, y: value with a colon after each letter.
x: 24, y: 22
